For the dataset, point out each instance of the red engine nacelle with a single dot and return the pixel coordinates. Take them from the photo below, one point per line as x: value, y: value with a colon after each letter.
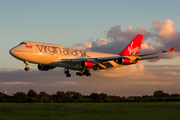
x: 125, y: 61
x: 44, y: 67
x: 87, y: 64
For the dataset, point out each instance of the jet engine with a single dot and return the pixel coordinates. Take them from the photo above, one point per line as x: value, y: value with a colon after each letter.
x: 44, y: 67
x: 125, y: 61
x: 87, y: 64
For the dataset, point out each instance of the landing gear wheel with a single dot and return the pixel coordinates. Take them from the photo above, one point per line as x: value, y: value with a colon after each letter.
x: 67, y: 72
x: 68, y: 75
x: 89, y: 74
x: 81, y: 74
x: 78, y: 73
x: 84, y: 72
x: 26, y: 68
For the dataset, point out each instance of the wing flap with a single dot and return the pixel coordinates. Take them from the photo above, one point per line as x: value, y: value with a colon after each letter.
x: 137, y: 59
x: 107, y: 58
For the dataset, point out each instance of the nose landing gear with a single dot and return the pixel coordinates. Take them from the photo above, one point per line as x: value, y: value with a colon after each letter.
x: 26, y: 68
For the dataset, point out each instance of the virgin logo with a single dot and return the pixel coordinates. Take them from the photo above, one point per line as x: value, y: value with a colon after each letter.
x: 133, y: 50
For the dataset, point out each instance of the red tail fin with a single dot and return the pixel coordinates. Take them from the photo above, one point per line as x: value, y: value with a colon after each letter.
x: 133, y: 47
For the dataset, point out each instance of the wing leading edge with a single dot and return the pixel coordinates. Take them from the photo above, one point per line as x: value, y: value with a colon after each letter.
x: 146, y: 54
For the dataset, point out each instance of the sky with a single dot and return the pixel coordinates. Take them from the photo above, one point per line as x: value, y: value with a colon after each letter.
x: 94, y: 25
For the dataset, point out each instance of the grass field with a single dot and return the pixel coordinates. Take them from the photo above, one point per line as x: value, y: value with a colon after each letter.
x: 90, y: 111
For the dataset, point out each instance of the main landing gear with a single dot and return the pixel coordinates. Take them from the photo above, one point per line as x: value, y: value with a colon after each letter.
x: 67, y: 72
x: 26, y: 68
x: 84, y: 72
x: 81, y: 73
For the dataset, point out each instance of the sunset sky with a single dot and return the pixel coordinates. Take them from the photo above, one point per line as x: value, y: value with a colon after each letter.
x: 94, y: 25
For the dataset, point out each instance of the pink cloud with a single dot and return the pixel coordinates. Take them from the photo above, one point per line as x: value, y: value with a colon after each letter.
x: 127, y: 80
x: 144, y: 45
x: 115, y: 33
x: 165, y: 30
x: 127, y: 72
x: 153, y: 83
x: 81, y: 46
x: 172, y: 73
x: 99, y: 42
x: 163, y: 37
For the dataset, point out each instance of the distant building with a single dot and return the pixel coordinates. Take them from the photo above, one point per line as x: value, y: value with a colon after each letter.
x: 5, y: 90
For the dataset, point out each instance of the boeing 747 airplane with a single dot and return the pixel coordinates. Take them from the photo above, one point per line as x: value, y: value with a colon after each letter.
x: 50, y: 56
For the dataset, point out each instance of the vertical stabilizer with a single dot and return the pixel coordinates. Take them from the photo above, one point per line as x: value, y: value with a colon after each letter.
x: 133, y: 47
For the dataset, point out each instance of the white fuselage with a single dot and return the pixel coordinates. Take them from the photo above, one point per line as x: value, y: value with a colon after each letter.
x: 44, y: 53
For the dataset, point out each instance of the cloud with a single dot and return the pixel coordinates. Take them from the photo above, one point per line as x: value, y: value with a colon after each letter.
x: 144, y: 45
x: 166, y: 35
x: 10, y: 69
x: 172, y: 73
x: 66, y: 82
x: 119, y: 81
x: 15, y: 83
x: 115, y: 33
x: 160, y: 37
x: 168, y: 78
x: 99, y: 92
x: 165, y: 30
x: 81, y: 46
x: 99, y: 42
x: 127, y: 72
x: 129, y: 28
x: 153, y: 83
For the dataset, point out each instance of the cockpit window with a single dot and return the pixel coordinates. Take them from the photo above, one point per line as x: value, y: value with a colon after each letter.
x: 22, y: 43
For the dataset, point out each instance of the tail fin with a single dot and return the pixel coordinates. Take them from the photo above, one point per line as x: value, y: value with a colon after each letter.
x: 133, y: 47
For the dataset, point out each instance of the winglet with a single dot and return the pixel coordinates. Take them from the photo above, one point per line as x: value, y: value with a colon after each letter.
x: 171, y: 49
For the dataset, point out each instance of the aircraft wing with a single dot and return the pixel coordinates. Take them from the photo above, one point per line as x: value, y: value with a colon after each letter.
x: 123, y: 60
x: 136, y: 55
x: 103, y: 59
x: 146, y: 54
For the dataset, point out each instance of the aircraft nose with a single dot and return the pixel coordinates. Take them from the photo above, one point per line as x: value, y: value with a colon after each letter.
x: 11, y: 51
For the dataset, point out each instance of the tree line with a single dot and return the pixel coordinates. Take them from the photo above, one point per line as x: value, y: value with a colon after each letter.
x: 76, y: 97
